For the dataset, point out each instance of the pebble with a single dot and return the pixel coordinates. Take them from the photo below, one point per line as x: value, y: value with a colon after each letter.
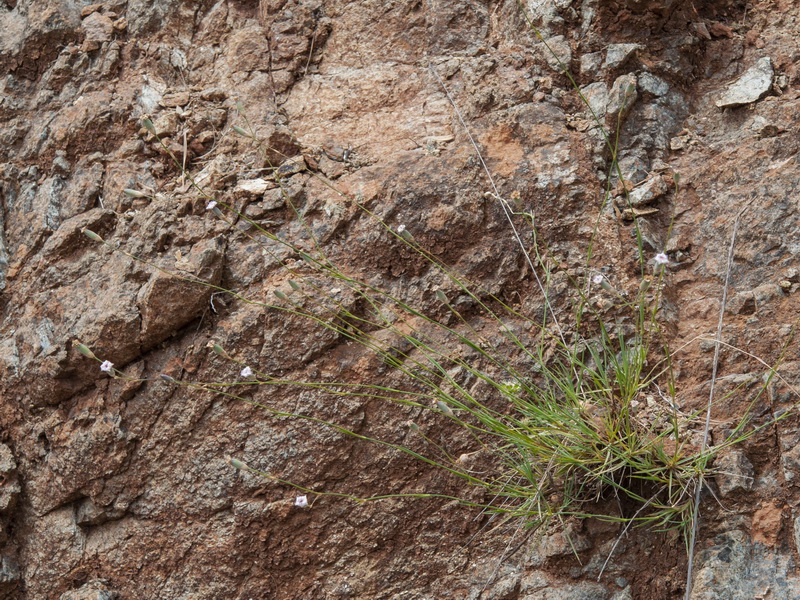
x: 596, y: 95
x: 292, y: 166
x: 591, y: 63
x: 254, y: 187
x: 653, y: 85
x: 648, y: 191
x: 559, y: 46
x: 618, y: 54
x: 622, y: 97
x: 750, y: 87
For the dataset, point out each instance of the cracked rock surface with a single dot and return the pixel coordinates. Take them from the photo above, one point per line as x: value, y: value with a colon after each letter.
x: 119, y: 487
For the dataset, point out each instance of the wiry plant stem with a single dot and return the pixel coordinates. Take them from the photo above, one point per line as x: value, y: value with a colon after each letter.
x: 717, y: 345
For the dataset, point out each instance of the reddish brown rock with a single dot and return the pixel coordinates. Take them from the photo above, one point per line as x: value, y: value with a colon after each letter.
x: 117, y: 484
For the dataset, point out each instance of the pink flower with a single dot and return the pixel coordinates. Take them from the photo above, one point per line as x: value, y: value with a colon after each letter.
x: 246, y: 372
x: 602, y: 282
x: 661, y: 259
x: 107, y: 366
x: 211, y: 205
x: 301, y: 501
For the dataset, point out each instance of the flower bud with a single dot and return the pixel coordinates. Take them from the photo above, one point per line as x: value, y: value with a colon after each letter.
x: 240, y: 131
x: 294, y: 285
x: 135, y: 193
x: 167, y: 378
x: 279, y: 294
x: 91, y: 235
x: 441, y: 297
x: 237, y: 464
x: 148, y: 124
x: 445, y: 408
x: 84, y: 350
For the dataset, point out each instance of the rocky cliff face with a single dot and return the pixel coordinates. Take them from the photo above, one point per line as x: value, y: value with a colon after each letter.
x: 114, y: 487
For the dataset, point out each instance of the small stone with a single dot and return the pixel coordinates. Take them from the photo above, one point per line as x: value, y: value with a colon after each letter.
x: 646, y: 192
x: 202, y: 142
x: 91, y: 8
x: 719, y: 30
x: 596, y: 95
x: 591, y: 63
x: 679, y: 143
x: 148, y: 98
x: 61, y: 164
x: 618, y: 54
x: 272, y: 200
x: 750, y: 87
x: 97, y: 29
x: 254, y: 187
x: 564, y: 543
x: 332, y: 169
x: 558, y: 46
x: 291, y: 167
x: 622, y: 97
x: 701, y: 30
x: 653, y: 85
x: 213, y: 95
x: 166, y: 125
x: 175, y: 99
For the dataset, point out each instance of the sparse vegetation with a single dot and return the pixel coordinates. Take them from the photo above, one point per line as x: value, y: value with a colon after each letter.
x: 571, y: 408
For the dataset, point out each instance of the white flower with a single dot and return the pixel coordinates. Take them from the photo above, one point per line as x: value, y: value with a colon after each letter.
x: 301, y: 501
x: 211, y: 205
x: 661, y: 259
x: 401, y: 228
x: 246, y: 372
x: 600, y: 280
x: 107, y: 366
